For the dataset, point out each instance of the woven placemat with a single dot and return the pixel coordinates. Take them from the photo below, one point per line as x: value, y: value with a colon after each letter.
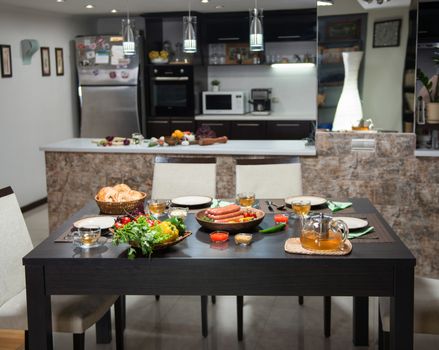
x: 293, y: 246
x: 380, y: 234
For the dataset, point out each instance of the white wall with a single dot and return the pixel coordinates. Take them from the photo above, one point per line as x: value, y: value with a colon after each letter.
x: 35, y: 110
x: 383, y: 69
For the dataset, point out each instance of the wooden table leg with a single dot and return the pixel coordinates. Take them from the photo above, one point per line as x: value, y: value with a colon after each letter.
x: 401, y: 309
x: 360, y: 320
x: 39, y: 311
x: 103, y: 329
x: 204, y: 327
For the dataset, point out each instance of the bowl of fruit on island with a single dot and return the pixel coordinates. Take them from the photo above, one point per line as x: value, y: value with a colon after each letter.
x: 232, y: 218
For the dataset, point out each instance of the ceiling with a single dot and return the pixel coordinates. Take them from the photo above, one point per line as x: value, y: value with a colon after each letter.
x: 103, y: 7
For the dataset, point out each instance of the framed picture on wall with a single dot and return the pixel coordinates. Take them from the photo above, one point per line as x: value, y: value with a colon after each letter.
x: 45, y: 61
x: 6, y: 61
x: 386, y: 33
x: 59, y: 60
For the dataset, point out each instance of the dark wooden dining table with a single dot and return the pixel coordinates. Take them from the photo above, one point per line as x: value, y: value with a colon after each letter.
x: 197, y: 267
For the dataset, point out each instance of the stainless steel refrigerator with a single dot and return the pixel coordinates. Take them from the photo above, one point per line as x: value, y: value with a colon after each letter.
x: 109, y: 87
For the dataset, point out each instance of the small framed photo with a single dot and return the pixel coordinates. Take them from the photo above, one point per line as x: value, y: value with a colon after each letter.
x: 6, y: 61
x: 59, y: 60
x: 386, y: 33
x: 45, y: 61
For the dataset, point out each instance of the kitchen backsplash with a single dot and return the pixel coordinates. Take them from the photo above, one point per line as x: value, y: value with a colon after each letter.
x: 294, y: 87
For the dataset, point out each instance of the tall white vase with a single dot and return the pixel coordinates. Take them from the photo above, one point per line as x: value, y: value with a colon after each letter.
x: 349, y: 111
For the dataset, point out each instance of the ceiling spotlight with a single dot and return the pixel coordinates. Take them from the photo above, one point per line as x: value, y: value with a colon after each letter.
x: 325, y: 2
x: 113, y: 11
x: 204, y: 1
x: 219, y: 7
x: 60, y: 0
x: 89, y: 6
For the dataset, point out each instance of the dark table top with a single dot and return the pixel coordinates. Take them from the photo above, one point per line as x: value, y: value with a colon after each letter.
x: 265, y: 247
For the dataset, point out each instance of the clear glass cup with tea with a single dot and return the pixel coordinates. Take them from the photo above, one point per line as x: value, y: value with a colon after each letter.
x: 246, y: 199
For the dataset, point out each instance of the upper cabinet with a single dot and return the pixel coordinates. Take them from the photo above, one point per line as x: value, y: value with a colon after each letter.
x: 227, y: 27
x: 288, y: 25
x: 428, y: 28
x: 298, y: 25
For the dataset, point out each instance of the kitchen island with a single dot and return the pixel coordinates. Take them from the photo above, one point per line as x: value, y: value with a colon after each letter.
x: 384, y: 169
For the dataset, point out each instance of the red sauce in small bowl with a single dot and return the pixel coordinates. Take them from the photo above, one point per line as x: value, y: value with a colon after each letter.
x: 219, y: 236
x: 280, y: 218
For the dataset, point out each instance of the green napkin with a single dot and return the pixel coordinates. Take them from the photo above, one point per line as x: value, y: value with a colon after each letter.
x: 360, y: 233
x: 218, y: 203
x: 336, y: 206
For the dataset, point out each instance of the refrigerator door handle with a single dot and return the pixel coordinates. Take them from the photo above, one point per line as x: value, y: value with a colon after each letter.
x: 171, y: 78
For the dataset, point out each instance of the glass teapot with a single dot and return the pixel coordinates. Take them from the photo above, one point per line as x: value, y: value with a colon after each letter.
x: 323, y: 232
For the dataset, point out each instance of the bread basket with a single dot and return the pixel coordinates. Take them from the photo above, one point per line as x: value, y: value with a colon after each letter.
x: 119, y: 208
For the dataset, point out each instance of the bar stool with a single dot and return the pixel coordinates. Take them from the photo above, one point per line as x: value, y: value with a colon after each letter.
x: 276, y: 178
x: 188, y: 176
x: 70, y: 313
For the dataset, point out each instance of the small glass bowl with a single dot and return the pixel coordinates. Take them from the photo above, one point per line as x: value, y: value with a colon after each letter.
x: 243, y: 239
x: 178, y: 212
x: 219, y: 236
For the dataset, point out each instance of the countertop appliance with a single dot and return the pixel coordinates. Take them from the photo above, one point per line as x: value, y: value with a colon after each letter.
x: 261, y: 101
x: 224, y: 102
x: 109, y: 87
x: 172, y: 90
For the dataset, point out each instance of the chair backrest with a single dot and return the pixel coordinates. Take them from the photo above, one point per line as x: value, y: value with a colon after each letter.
x: 15, y: 243
x: 270, y: 177
x: 175, y: 177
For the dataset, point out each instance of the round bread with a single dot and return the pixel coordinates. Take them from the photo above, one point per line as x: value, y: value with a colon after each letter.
x: 123, y: 197
x: 107, y: 194
x: 134, y: 195
x: 122, y: 188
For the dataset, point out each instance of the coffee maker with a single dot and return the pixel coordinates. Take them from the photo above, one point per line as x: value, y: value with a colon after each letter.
x: 261, y: 101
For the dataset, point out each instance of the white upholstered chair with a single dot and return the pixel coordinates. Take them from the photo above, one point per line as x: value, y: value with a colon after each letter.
x: 175, y: 177
x: 71, y: 314
x: 189, y: 176
x: 276, y: 178
x: 269, y: 178
x: 425, y: 315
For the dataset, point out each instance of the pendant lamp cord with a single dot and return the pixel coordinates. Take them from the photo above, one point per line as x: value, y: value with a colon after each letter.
x: 128, y: 11
x: 189, y: 9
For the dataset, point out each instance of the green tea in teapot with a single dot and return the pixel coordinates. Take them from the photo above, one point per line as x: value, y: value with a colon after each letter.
x: 310, y: 240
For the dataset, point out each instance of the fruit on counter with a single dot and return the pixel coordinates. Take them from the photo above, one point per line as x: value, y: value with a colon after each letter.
x: 178, y: 134
x: 114, y: 141
x: 118, y: 193
x: 204, y: 131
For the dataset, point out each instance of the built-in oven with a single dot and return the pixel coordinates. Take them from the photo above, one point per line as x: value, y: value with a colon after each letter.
x: 172, y: 91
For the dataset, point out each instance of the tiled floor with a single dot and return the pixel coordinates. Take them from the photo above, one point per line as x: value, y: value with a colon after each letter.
x: 270, y: 323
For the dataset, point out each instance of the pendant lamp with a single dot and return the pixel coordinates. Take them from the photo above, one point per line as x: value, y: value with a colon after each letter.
x: 256, y: 29
x: 189, y: 33
x: 129, y: 44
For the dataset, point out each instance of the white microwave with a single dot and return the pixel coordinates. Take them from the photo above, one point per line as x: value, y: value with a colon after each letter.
x: 224, y: 102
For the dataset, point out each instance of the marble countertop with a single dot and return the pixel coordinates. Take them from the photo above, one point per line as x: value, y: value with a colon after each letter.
x: 425, y: 152
x: 250, y: 117
x: 232, y: 147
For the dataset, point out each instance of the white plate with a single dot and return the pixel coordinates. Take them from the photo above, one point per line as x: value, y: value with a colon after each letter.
x: 313, y: 200
x: 353, y: 223
x: 104, y: 222
x: 191, y: 201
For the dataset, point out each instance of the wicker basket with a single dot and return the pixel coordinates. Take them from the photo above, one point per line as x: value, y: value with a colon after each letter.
x: 119, y: 208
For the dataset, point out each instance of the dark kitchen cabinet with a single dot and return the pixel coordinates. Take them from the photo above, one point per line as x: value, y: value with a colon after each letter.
x: 221, y: 128
x: 428, y: 28
x: 288, y: 130
x: 298, y: 25
x: 156, y: 127
x: 248, y: 130
x: 227, y: 27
